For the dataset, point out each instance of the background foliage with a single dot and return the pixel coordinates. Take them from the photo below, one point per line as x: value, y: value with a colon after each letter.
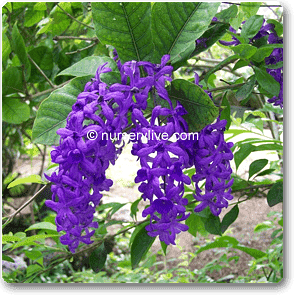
x: 49, y: 52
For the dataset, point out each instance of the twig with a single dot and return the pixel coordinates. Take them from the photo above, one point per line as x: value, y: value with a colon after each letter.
x: 75, y: 18
x: 272, y: 11
x: 23, y: 206
x: 42, y: 73
x: 227, y: 87
x: 260, y: 5
x: 79, y: 50
x: 65, y: 37
x: 50, y: 90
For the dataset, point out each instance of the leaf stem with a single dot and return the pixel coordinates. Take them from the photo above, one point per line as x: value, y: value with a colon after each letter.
x: 41, y: 71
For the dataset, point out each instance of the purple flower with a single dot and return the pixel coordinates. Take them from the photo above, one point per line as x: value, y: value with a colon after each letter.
x: 211, y: 158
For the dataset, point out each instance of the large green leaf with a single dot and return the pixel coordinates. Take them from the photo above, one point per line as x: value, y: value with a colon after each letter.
x: 14, y: 111
x: 54, y: 110
x: 126, y: 26
x: 140, y: 245
x: 201, y: 110
x: 176, y: 26
x: 18, y: 46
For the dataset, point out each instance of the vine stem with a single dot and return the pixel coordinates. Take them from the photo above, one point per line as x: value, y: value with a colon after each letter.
x: 65, y: 37
x: 82, y: 49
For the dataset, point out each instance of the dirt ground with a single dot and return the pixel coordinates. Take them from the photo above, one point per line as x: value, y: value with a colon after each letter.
x: 124, y: 190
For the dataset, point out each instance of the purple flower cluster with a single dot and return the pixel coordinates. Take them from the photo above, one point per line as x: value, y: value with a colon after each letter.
x: 83, y: 161
x: 267, y: 29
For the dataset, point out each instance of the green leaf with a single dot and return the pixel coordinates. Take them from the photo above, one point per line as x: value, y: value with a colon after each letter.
x: 14, y: 111
x: 42, y: 225
x: 27, y: 241
x: 31, y: 240
x: 245, y: 91
x: 265, y: 172
x: 126, y: 26
x: 7, y: 258
x: 176, y: 26
x: 201, y: 110
x: 40, y: 6
x: 240, y: 64
x: 88, y: 66
x: 242, y: 153
x: 257, y: 166
x: 252, y: 26
x: 6, y: 49
x: 275, y: 66
x: 97, y: 258
x: 213, y: 225
x: 210, y: 37
x: 12, y: 81
x: 134, y: 207
x: 226, y: 14
x: 8, y: 6
x: 18, y: 46
x: 275, y: 194
x: 226, y: 242
x: 195, y: 224
x: 229, y: 218
x: 9, y: 238
x: 54, y: 110
x: 35, y: 255
x: 267, y: 82
x: 33, y: 269
x: 249, y: 9
x: 262, y: 227
x: 32, y: 17
x: 28, y: 179
x: 140, y: 245
x: 262, y: 53
x: 244, y: 50
x: 278, y: 26
x: 225, y: 114
x: 164, y: 247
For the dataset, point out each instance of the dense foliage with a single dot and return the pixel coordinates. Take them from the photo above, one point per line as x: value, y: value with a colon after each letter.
x: 79, y: 76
